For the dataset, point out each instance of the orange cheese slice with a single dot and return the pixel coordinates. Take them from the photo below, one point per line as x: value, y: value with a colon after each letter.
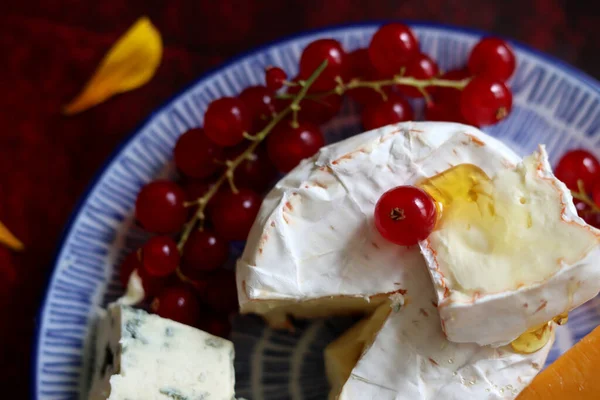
x: 573, y: 376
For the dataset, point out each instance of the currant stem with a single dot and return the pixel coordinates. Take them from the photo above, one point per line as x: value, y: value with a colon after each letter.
x: 228, y: 176
x: 420, y: 84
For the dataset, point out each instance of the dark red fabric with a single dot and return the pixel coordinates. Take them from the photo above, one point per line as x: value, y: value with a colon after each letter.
x: 49, y: 48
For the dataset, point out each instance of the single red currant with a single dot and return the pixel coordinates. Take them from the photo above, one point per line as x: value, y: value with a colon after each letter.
x: 194, y: 189
x: 492, y: 58
x: 314, y: 54
x: 582, y: 207
x: 591, y: 217
x: 596, y: 192
x: 204, y: 251
x: 275, y: 78
x: 216, y: 324
x: 152, y: 285
x: 446, y: 101
x: 221, y: 292
x: 160, y: 208
x: 405, y: 215
x: 361, y: 68
x: 394, y: 109
x: 128, y: 265
x: 178, y: 303
x: 316, y: 111
x: 260, y: 104
x: 256, y: 172
x: 195, y: 154
x: 234, y: 213
x: 449, y: 95
x: 160, y: 256
x: 226, y: 120
x: 485, y: 101
x: 287, y: 146
x: 421, y: 67
x: 392, y: 47
x: 578, y: 165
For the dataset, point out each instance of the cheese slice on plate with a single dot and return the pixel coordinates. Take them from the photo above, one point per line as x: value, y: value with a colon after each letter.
x: 509, y: 252
x: 410, y: 358
x: 314, y: 251
x: 140, y: 356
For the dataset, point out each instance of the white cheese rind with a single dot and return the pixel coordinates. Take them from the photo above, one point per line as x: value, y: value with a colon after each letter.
x: 140, y: 356
x: 314, y: 237
x: 410, y: 358
x: 466, y: 317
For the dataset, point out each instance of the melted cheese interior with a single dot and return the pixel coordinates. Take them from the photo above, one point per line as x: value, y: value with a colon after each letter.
x: 503, y: 233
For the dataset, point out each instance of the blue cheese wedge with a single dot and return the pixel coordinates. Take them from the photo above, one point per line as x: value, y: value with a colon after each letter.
x: 140, y: 356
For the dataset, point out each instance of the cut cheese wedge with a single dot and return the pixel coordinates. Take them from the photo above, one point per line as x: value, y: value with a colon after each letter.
x: 410, y: 358
x: 510, y: 246
x: 140, y: 356
x: 314, y: 251
x: 574, y: 376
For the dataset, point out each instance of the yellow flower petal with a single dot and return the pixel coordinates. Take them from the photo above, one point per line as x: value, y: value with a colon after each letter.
x: 129, y: 64
x: 10, y: 240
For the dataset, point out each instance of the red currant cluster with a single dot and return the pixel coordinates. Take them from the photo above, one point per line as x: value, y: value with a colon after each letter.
x: 226, y: 165
x: 580, y: 171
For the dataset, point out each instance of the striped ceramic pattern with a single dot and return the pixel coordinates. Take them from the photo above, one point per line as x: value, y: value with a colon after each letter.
x: 554, y: 104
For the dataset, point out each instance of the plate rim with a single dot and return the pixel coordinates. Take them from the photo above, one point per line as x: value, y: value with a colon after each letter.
x: 50, y: 274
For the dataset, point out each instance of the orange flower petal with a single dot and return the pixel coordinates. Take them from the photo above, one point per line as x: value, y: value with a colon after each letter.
x: 10, y: 240
x: 129, y: 64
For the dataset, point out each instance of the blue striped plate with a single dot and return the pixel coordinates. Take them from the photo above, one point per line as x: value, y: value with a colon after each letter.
x: 554, y: 104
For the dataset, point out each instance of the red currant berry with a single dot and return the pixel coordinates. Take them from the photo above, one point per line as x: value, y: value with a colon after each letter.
x: 204, y: 251
x: 275, y: 78
x: 221, y: 292
x: 361, y: 68
x: 393, y: 46
x: 234, y: 213
x: 421, y: 67
x: 582, y: 207
x: 160, y: 208
x: 446, y: 112
x: 195, y: 154
x: 260, y: 104
x: 177, y: 303
x: 287, y: 146
x: 593, y: 219
x: 485, y: 101
x: 128, y: 265
x: 256, y: 172
x: 394, y: 109
x: 446, y: 101
x: 405, y: 215
x: 596, y: 192
x: 578, y: 165
x: 160, y: 256
x: 448, y: 95
x: 194, y: 189
x: 226, y: 120
x: 153, y: 285
x: 492, y: 58
x: 312, y: 57
x: 217, y: 325
x: 316, y: 111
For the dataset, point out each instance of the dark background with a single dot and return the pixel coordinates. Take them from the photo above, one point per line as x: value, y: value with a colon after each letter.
x: 48, y: 49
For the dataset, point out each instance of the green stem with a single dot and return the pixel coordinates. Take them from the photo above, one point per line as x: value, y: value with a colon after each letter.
x: 420, y: 84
